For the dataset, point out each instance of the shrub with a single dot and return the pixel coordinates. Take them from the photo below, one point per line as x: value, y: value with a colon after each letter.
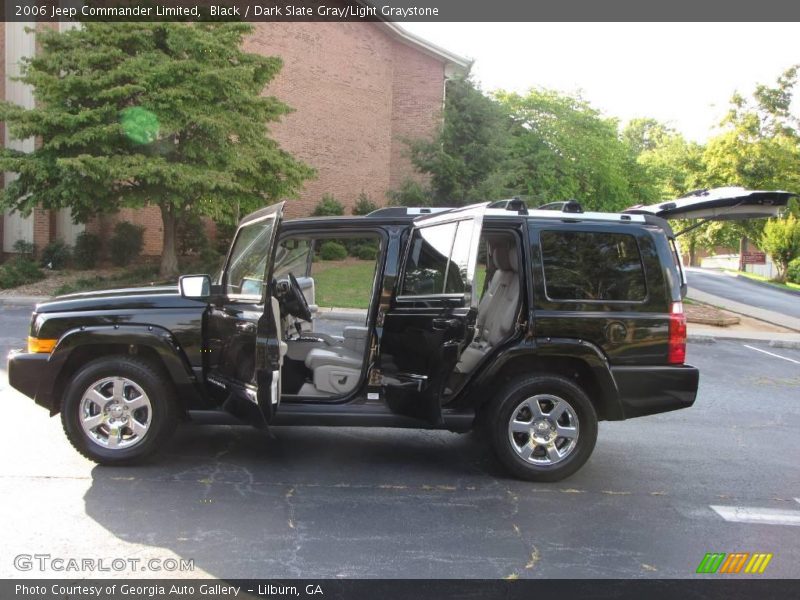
x: 224, y: 237
x: 367, y: 252
x: 781, y: 240
x: 332, y: 251
x: 24, y: 248
x: 328, y: 207
x: 126, y: 243
x: 793, y: 271
x: 56, y: 255
x: 86, y: 251
x: 18, y: 271
x: 364, y: 205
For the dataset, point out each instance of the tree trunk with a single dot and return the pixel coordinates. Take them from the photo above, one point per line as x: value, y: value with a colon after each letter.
x: 169, y: 259
x: 692, y: 253
x: 742, y: 250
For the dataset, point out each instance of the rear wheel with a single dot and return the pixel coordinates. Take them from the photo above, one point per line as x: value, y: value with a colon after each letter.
x: 542, y: 428
x: 118, y: 410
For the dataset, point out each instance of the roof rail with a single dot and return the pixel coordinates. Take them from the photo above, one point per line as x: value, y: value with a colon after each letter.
x: 405, y: 211
x: 567, y: 206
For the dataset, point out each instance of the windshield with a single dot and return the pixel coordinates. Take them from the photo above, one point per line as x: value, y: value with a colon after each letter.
x: 248, y: 260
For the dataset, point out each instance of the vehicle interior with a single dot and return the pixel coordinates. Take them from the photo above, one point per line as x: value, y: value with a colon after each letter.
x: 326, y: 350
x: 498, y: 280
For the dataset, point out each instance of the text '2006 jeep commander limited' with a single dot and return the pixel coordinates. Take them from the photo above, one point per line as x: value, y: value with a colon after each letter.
x: 533, y: 325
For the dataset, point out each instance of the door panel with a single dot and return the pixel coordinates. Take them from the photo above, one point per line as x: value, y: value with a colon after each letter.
x: 431, y: 317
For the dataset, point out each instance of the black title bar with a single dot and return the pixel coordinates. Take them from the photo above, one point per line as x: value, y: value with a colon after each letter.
x: 404, y: 10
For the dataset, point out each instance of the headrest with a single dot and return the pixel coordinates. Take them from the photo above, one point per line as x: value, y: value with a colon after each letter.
x: 500, y: 258
x: 513, y: 259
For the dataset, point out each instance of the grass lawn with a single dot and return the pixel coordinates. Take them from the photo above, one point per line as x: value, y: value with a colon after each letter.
x: 344, y: 283
x: 785, y: 286
x: 131, y: 277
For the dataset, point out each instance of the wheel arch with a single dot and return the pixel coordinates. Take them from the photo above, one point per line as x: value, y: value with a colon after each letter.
x: 77, y: 347
x: 576, y: 360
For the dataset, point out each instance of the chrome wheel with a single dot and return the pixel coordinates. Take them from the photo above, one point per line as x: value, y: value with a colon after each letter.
x: 115, y: 412
x: 543, y: 429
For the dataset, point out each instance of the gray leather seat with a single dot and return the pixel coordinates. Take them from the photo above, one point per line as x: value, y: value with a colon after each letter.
x: 496, y: 315
x: 337, y: 369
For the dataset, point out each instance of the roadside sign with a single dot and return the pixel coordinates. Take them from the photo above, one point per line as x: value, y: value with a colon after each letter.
x: 754, y: 258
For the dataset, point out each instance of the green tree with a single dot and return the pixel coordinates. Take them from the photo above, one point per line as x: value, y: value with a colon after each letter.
x: 464, y: 158
x: 781, y: 240
x: 758, y: 148
x: 563, y: 148
x: 131, y: 114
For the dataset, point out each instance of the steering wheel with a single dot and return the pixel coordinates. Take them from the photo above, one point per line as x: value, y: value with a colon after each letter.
x: 296, y: 302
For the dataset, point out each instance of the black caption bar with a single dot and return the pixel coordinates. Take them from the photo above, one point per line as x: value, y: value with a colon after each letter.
x: 402, y: 10
x: 400, y: 589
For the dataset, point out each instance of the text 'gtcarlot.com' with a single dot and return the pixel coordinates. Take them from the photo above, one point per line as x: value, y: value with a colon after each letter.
x: 47, y: 562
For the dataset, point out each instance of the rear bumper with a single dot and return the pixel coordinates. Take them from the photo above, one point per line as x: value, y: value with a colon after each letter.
x: 650, y: 390
x: 26, y: 371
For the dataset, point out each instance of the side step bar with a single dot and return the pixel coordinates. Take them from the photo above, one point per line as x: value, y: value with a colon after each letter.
x: 341, y: 416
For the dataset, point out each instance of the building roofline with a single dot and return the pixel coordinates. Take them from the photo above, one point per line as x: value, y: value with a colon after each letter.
x: 462, y: 64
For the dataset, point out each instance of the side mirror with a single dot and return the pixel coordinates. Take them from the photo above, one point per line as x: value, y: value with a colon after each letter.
x: 196, y: 287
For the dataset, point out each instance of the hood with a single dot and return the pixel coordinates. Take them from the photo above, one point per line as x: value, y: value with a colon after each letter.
x: 141, y: 298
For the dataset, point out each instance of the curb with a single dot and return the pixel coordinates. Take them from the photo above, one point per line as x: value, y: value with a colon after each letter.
x: 699, y: 338
x: 22, y: 300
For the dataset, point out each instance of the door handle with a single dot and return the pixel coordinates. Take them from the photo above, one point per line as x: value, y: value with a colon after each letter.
x: 440, y: 324
x: 245, y: 327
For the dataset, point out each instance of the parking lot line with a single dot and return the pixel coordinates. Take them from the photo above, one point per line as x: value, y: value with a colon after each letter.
x: 797, y: 362
x: 764, y: 516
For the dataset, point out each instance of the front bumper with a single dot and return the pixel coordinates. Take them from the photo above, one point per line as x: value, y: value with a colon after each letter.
x: 650, y: 390
x: 26, y: 371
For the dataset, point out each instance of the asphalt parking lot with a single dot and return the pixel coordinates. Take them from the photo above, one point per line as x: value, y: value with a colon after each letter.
x: 314, y: 502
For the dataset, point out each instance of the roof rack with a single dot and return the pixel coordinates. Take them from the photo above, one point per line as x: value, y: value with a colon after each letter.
x: 516, y: 204
x: 405, y: 211
x: 567, y: 206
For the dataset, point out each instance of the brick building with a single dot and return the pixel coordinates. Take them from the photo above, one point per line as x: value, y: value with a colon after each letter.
x: 358, y: 89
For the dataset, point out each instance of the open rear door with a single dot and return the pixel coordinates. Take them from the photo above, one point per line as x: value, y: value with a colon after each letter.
x: 719, y: 204
x: 432, y: 313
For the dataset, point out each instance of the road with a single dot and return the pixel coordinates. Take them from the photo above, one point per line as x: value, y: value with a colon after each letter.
x: 350, y: 502
x: 741, y: 289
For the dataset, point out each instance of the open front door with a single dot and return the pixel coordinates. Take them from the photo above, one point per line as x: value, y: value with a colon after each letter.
x: 432, y: 313
x: 244, y: 350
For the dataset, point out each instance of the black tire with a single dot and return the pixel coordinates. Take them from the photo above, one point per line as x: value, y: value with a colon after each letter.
x: 162, y: 410
x: 510, y: 401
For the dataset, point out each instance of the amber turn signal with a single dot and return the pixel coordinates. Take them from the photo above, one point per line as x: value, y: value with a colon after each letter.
x: 36, y: 345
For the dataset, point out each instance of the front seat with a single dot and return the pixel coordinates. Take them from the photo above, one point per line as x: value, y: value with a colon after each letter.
x: 496, y: 317
x: 336, y: 369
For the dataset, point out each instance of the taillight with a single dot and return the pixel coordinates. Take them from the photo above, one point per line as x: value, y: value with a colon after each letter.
x: 676, y: 353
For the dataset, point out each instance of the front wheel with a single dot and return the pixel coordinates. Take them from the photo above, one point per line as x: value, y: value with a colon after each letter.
x: 118, y: 410
x: 542, y: 428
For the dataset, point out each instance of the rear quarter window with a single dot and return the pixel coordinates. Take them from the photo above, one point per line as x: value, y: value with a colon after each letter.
x: 592, y: 266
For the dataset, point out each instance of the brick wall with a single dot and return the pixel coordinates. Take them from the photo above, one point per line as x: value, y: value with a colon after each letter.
x: 417, y: 103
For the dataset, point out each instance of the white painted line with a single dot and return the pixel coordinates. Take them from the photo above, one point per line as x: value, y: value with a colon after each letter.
x: 764, y: 516
x: 797, y: 362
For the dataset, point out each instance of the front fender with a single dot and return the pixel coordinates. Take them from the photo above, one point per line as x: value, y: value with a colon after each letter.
x: 160, y: 340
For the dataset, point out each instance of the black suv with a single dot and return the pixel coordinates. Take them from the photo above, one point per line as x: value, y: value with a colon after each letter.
x: 532, y: 325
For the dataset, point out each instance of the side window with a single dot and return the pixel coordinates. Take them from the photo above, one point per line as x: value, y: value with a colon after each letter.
x: 438, y: 262
x: 592, y: 266
x: 428, y: 260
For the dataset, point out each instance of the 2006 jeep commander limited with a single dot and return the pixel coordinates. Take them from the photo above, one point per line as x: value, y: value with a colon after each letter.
x: 532, y: 324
